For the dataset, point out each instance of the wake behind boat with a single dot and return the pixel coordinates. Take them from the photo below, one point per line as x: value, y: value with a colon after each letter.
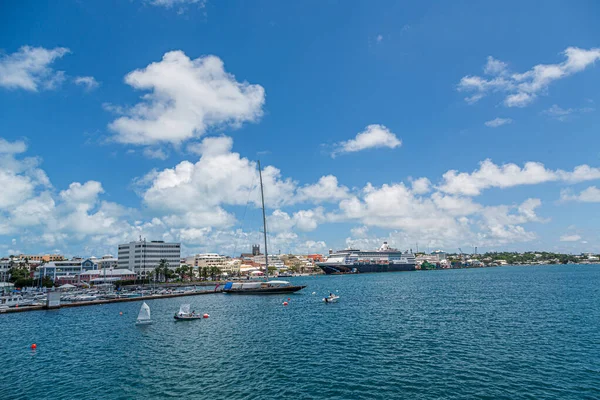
x: 184, y: 314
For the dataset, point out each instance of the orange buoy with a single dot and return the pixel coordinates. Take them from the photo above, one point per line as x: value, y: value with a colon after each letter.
x: 33, y: 346
x: 285, y: 303
x: 121, y: 313
x: 205, y: 316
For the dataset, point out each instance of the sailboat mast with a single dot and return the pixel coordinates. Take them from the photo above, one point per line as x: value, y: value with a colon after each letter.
x: 262, y: 197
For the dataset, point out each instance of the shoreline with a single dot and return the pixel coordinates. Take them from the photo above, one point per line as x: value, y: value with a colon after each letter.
x: 105, y: 301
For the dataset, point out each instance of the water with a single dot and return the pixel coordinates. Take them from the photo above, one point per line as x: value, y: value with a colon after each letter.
x: 510, y: 332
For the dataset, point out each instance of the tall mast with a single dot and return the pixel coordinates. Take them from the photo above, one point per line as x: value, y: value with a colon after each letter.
x: 262, y: 197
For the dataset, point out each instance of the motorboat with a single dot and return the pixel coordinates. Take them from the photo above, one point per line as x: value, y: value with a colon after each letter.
x: 332, y: 298
x: 184, y: 314
x: 15, y: 301
x: 144, y: 315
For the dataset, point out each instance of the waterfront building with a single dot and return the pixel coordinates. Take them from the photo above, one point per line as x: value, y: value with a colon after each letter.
x: 66, y: 271
x: 274, y: 261
x: 42, y: 257
x: 209, y: 260
x: 5, y: 265
x: 143, y: 257
x: 107, y: 275
x: 107, y: 261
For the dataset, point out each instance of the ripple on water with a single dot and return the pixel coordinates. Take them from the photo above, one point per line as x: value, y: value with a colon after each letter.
x: 528, y: 332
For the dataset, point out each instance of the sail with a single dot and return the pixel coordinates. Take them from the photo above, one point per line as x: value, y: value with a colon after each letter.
x: 144, y: 314
x: 184, y: 309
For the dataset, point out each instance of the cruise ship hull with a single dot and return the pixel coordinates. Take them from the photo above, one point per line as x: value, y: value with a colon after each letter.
x: 364, y: 268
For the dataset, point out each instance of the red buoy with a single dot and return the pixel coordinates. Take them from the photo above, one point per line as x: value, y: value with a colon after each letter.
x: 33, y: 346
x: 205, y: 316
x: 289, y: 299
x: 285, y: 303
x: 121, y: 313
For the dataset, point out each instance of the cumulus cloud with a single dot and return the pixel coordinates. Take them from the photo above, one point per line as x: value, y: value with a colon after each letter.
x: 374, y: 136
x: 88, y: 82
x: 29, y: 69
x: 194, y: 202
x: 589, y: 195
x: 490, y: 175
x: 186, y: 98
x: 495, y: 123
x: 325, y: 190
x: 521, y: 89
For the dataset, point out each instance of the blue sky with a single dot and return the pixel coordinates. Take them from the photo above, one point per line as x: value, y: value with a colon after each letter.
x: 447, y: 124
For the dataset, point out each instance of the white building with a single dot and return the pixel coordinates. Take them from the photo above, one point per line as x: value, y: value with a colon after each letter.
x: 143, y: 257
x: 209, y: 260
x: 107, y: 261
x: 274, y: 261
x: 65, y: 269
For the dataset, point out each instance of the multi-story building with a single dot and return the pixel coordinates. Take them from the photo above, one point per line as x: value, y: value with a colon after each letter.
x: 274, y: 261
x: 209, y: 260
x: 68, y: 270
x: 40, y: 257
x: 143, y: 257
x: 107, y: 275
x: 107, y: 261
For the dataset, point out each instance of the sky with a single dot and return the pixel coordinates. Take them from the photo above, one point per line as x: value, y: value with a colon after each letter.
x: 429, y: 125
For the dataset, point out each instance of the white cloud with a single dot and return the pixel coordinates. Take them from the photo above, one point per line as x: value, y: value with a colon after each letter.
x: 589, y: 195
x: 29, y: 69
x: 495, y: 123
x: 187, y: 97
x: 523, y: 88
x: 158, y: 154
x: 495, y: 67
x: 172, y: 3
x: 88, y: 82
x: 220, y: 177
x: 421, y: 186
x: 491, y: 175
x: 325, y: 190
x: 15, y: 147
x: 379, y: 38
x: 562, y: 114
x: 194, y: 203
x: 374, y: 136
x: 570, y: 238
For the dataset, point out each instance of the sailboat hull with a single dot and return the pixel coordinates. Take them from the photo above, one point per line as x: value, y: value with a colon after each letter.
x: 270, y: 290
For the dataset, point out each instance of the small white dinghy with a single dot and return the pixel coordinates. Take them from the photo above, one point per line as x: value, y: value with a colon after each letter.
x: 332, y: 298
x: 144, y: 315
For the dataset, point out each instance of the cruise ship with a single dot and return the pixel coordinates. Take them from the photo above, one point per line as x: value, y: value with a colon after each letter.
x: 385, y: 259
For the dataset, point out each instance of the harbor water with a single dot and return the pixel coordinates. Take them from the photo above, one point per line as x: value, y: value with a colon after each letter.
x: 502, y: 333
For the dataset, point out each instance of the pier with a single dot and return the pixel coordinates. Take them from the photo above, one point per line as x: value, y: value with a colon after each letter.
x: 106, y: 301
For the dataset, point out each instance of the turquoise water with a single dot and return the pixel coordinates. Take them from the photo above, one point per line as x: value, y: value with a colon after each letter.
x: 510, y: 332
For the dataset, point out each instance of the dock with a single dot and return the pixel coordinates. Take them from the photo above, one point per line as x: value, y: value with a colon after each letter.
x: 107, y: 301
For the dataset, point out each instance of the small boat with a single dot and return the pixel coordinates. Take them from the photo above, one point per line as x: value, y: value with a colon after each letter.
x: 332, y: 298
x: 15, y: 301
x: 144, y: 315
x: 184, y: 314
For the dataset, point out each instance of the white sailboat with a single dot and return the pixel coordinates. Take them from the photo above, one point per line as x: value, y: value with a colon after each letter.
x: 144, y: 315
